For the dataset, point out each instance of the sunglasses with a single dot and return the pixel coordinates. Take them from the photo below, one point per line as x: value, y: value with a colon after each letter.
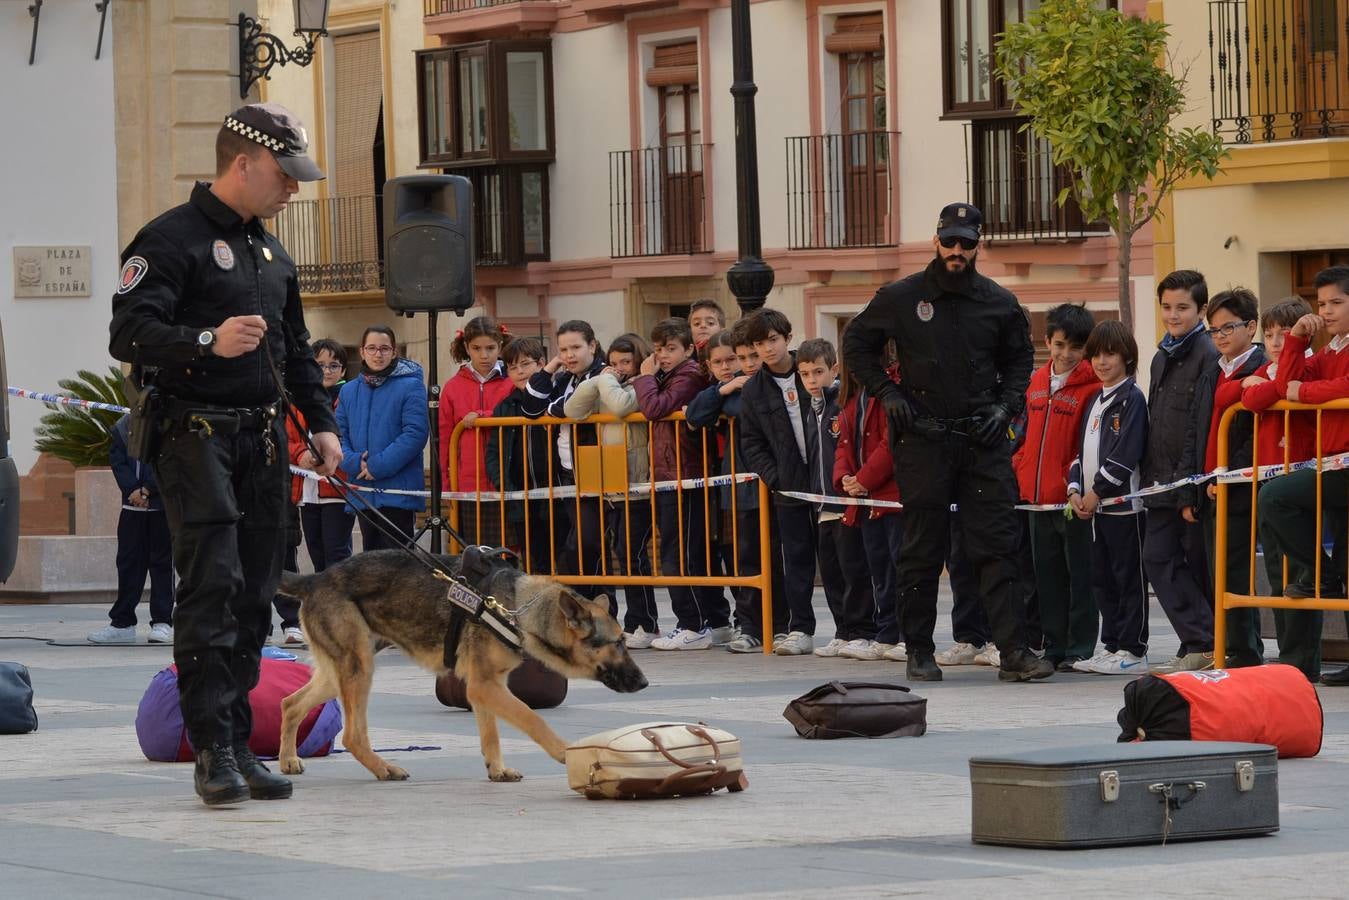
x: 965, y: 243
x: 1229, y: 329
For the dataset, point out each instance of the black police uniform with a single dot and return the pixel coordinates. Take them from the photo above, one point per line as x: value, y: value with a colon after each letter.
x: 963, y: 343
x: 222, y: 463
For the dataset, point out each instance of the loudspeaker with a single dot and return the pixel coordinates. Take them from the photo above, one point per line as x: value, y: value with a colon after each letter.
x: 428, y: 243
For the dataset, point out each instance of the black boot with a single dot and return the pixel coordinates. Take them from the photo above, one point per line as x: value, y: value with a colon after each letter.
x: 922, y: 667
x: 217, y: 777
x: 1022, y: 665
x: 1338, y: 678
x: 262, y: 783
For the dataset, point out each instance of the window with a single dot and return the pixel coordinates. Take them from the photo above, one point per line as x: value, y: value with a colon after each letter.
x: 970, y: 30
x: 674, y: 74
x: 486, y: 102
x: 510, y: 213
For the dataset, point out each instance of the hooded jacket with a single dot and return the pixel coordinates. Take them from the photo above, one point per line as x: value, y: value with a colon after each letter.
x: 465, y: 393
x: 389, y: 423
x: 661, y: 395
x: 865, y: 454
x: 1053, y: 427
x: 297, y: 448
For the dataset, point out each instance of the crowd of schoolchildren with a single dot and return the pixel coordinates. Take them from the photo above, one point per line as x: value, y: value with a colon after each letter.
x: 1088, y: 441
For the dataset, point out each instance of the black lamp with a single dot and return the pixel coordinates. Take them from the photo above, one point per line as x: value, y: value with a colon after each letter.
x: 259, y: 50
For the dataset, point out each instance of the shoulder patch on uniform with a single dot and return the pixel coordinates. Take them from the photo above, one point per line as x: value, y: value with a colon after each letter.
x: 132, y: 273
x: 223, y: 255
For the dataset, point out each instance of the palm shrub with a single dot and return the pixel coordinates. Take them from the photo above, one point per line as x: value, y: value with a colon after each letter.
x: 77, y: 434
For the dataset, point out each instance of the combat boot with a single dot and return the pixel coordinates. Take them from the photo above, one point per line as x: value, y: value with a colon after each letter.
x: 216, y: 777
x: 922, y: 667
x: 263, y: 784
x: 1022, y: 665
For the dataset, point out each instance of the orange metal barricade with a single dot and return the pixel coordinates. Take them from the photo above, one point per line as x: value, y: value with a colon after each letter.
x: 616, y: 494
x: 1225, y: 599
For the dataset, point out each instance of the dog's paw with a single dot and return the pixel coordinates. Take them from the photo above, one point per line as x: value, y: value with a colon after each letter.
x: 291, y: 766
x: 505, y: 775
x: 394, y: 773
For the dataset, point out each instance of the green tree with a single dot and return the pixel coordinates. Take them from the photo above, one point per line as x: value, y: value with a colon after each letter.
x: 76, y: 434
x: 1093, y: 85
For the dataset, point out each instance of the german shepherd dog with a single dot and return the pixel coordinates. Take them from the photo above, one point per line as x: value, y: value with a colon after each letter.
x: 381, y: 598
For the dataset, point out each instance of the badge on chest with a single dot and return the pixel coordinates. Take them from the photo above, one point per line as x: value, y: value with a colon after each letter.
x: 925, y: 311
x: 222, y: 255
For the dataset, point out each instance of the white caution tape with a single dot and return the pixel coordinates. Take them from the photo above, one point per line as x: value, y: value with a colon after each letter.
x: 63, y: 400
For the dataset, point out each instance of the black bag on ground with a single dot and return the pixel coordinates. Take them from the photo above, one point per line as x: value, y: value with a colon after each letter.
x: 17, y: 715
x: 842, y: 709
x: 537, y: 686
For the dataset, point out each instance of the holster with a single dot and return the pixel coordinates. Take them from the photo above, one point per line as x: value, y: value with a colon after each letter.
x: 145, y: 425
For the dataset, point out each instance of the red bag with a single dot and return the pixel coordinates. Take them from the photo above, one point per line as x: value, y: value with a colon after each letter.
x: 1271, y: 704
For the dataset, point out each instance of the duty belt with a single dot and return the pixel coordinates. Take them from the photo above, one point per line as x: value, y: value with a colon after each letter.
x: 939, y: 429
x: 227, y: 418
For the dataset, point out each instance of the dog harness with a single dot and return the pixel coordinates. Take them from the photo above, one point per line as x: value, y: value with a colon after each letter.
x: 467, y: 604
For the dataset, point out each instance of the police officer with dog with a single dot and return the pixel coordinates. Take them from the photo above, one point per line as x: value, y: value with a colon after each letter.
x: 208, y: 313
x: 965, y: 361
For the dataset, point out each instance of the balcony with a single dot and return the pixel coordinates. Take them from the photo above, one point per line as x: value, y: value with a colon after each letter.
x: 1012, y: 178
x: 487, y: 17
x: 337, y: 243
x: 658, y: 202
x: 840, y: 190
x: 1278, y: 69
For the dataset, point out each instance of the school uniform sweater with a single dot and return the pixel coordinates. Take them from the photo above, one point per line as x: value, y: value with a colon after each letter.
x: 1324, y: 377
x: 1053, y: 426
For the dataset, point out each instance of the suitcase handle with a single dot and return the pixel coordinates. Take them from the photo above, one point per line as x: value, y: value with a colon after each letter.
x: 689, y: 772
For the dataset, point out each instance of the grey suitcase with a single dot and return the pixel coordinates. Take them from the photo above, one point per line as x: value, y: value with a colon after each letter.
x: 1141, y: 793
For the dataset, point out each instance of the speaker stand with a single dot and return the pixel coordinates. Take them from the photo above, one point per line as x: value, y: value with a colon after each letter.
x: 435, y: 523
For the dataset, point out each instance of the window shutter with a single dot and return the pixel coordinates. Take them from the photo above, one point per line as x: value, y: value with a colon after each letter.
x: 357, y: 95
x: 856, y: 34
x: 675, y: 64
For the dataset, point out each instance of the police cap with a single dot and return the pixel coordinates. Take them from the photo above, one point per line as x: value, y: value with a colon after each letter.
x: 960, y: 220
x: 276, y: 128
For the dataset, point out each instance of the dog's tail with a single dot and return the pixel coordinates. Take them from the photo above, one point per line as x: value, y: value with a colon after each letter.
x: 295, y: 585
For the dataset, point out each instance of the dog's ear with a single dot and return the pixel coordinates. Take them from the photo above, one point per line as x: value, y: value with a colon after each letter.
x: 574, y: 607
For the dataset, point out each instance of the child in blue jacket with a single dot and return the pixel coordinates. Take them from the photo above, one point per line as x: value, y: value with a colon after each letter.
x: 1112, y: 441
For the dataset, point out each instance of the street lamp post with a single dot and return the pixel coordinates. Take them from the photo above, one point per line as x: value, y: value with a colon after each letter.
x: 750, y: 278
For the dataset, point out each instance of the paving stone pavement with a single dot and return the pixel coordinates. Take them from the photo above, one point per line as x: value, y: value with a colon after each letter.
x: 83, y: 813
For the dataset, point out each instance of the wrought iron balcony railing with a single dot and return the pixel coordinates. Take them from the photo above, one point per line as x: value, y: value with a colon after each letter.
x: 1014, y: 182
x: 840, y: 190
x: 1278, y: 69
x: 336, y: 242
x: 440, y: 7
x: 657, y: 201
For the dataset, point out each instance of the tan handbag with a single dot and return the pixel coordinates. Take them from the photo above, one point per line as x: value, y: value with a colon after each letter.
x: 655, y: 759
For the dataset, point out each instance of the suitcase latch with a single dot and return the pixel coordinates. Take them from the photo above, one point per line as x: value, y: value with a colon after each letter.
x: 1245, y: 775
x: 1110, y: 786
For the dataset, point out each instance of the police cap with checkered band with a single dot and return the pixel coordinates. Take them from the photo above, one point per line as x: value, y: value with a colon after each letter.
x: 276, y: 128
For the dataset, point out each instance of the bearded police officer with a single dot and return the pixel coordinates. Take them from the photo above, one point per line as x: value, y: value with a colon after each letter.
x: 207, y: 310
x: 965, y: 361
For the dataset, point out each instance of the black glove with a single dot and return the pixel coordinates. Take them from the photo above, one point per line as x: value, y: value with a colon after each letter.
x: 898, y: 410
x: 991, y: 425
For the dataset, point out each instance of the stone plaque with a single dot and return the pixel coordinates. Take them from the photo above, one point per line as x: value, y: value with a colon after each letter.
x: 51, y: 271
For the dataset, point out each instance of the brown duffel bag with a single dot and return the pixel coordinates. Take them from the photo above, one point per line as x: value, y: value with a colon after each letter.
x: 538, y: 686
x: 843, y: 709
x: 655, y: 759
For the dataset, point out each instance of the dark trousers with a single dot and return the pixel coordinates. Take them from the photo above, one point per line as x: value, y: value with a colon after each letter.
x: 933, y: 473
x: 846, y: 577
x: 679, y: 516
x: 327, y: 533
x: 373, y: 533
x: 796, y: 538
x: 1118, y: 583
x: 143, y: 548
x: 226, y: 510
x: 538, y: 536
x: 1288, y: 527
x: 1035, y: 633
x: 969, y: 624
x: 629, y: 526
x: 1062, y: 551
x: 583, y: 551
x: 749, y: 601
x: 288, y: 608
x: 1244, y: 646
x: 1176, y: 566
x: 882, y: 539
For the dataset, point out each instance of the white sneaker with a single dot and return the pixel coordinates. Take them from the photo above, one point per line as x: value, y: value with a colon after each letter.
x: 292, y: 636
x: 829, y: 649
x: 161, y: 633
x: 1122, y: 663
x: 745, y: 643
x: 865, y: 650
x: 988, y: 656
x: 898, y: 653
x: 723, y: 635
x: 961, y: 654
x: 684, y: 639
x: 795, y: 643
x: 110, y: 635
x: 1089, y: 665
x: 639, y: 639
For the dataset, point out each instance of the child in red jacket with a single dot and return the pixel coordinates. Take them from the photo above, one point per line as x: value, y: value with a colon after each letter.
x: 864, y: 468
x: 1061, y: 548
x: 473, y: 391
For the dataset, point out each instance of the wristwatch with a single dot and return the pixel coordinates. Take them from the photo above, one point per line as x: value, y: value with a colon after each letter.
x: 205, y: 341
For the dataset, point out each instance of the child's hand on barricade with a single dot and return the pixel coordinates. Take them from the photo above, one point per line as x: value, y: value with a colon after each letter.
x: 1251, y: 381
x: 469, y: 419
x: 1294, y: 391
